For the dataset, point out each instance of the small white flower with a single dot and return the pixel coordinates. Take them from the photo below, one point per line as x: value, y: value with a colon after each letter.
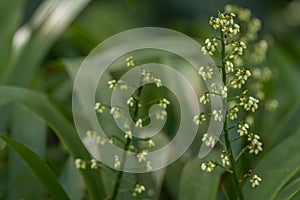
x: 91, y: 134
x: 209, y: 140
x: 99, y: 108
x: 115, y: 112
x: 240, y: 78
x: 138, y: 189
x: 139, y: 123
x: 112, y: 84
x: 117, y: 163
x: 224, y: 159
x: 157, y: 82
x: 229, y: 66
x: 142, y: 156
x: 80, y: 164
x: 206, y: 72
x: 164, y: 103
x: 130, y: 62
x: 217, y: 115
x: 151, y: 143
x: 148, y: 166
x: 255, y: 145
x: 130, y: 102
x: 223, y: 92
x: 123, y: 86
x: 214, y: 89
x: 204, y: 98
x: 233, y: 113
x: 237, y: 49
x: 249, y: 104
x: 210, y: 46
x: 128, y: 135
x: 208, y: 166
x: 100, y: 140
x: 161, y: 115
x: 94, y: 164
x: 255, y: 180
x: 243, y: 129
x: 199, y: 118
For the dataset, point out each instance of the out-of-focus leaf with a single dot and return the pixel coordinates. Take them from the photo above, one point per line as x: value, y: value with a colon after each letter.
x: 276, y: 168
x: 30, y: 130
x: 62, y: 127
x: 39, y: 167
x: 72, y: 181
x: 290, y: 190
x: 284, y: 121
x: 32, y: 41
x: 196, y: 184
x: 10, y: 15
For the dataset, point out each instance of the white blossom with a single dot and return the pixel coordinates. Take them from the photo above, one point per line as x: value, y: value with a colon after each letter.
x: 138, y: 189
x: 141, y: 156
x: 255, y: 180
x: 130, y: 62
x: 112, y: 84
x: 208, y: 166
x: 204, y: 98
x: 249, y: 103
x: 128, y: 135
x: 209, y: 140
x: 199, y: 118
x: 206, y: 72
x: 115, y: 112
x: 94, y: 164
x: 117, y: 163
x: 243, y: 128
x: 139, y: 123
x: 217, y: 115
x: 99, y: 108
x: 80, y: 164
x: 224, y: 159
x: 130, y: 102
x: 164, y: 103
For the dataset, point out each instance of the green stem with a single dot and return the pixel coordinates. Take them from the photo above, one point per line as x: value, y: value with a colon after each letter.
x: 126, y: 147
x: 226, y: 130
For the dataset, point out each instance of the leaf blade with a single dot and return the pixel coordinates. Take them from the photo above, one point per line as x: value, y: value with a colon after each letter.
x: 39, y: 167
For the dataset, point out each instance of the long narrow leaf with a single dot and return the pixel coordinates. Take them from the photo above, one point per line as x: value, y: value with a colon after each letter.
x: 62, y: 127
x: 30, y: 130
x: 290, y: 190
x: 10, y: 16
x: 39, y: 167
x: 32, y: 41
x: 276, y: 169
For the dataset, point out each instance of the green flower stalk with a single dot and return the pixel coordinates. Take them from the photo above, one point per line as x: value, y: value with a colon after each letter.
x: 231, y: 45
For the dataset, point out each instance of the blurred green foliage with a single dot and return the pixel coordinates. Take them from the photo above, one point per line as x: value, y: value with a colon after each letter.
x: 42, y: 44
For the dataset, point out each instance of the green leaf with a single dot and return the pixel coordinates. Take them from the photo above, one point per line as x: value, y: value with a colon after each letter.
x: 36, y: 37
x: 62, y: 127
x: 276, y: 169
x: 72, y: 181
x: 39, y: 167
x: 30, y: 130
x: 196, y: 184
x: 10, y: 16
x: 290, y: 190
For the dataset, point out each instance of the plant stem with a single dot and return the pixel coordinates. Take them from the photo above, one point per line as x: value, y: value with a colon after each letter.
x: 126, y: 147
x: 226, y: 130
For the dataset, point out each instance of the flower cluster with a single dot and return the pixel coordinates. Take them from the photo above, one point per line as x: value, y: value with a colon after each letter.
x: 230, y: 46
